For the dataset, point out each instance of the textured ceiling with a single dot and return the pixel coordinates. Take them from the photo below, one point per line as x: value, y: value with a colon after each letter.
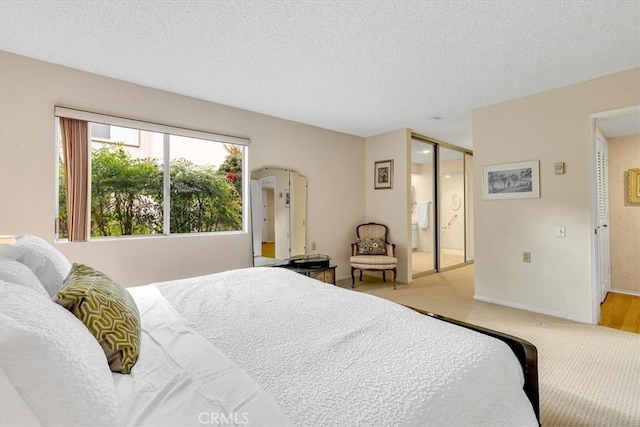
x: 622, y: 125
x: 360, y: 67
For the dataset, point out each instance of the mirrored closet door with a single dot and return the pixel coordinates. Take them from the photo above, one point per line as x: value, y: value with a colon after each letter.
x: 451, y: 207
x: 441, y: 205
x: 422, y: 207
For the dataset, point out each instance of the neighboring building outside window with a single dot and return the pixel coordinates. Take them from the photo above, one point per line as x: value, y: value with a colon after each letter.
x: 101, y: 132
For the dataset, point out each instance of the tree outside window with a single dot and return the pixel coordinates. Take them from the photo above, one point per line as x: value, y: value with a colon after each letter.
x: 127, y: 187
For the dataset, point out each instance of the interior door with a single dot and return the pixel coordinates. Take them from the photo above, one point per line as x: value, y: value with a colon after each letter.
x: 602, y: 230
x: 256, y: 215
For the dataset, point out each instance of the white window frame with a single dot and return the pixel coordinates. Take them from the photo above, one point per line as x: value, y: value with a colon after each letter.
x: 167, y: 131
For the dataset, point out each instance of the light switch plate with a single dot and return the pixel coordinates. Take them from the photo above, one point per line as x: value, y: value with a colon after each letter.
x: 559, y: 168
x: 561, y: 231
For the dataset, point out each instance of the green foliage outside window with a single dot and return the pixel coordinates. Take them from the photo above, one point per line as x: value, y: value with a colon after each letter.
x: 127, y: 195
x: 202, y: 200
x: 231, y: 168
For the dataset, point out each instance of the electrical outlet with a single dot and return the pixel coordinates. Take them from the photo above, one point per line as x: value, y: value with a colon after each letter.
x: 313, y: 246
x: 526, y: 257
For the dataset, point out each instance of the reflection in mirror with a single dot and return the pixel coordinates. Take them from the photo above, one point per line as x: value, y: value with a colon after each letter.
x: 278, y: 215
x: 422, y: 207
x: 451, y: 207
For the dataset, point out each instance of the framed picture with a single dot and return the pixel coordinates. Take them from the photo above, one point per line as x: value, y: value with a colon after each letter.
x: 511, y: 181
x: 383, y: 174
x: 634, y: 186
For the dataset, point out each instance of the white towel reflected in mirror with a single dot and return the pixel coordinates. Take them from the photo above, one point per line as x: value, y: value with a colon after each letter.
x: 423, y: 214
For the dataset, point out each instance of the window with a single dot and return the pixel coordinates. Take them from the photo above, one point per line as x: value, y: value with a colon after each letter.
x: 170, y: 182
x: 101, y: 132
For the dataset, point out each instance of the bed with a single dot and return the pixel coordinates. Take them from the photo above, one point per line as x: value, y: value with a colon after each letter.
x: 254, y: 346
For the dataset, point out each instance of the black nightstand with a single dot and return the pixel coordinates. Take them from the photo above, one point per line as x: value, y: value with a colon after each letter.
x: 324, y: 274
x: 314, y: 266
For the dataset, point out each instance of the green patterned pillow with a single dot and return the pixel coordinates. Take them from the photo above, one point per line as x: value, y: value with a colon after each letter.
x: 108, y: 311
x: 371, y: 246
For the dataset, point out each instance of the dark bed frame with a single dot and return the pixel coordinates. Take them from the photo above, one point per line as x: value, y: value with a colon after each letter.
x: 526, y: 353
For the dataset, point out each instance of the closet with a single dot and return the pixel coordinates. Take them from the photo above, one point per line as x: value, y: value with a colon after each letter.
x: 441, y: 206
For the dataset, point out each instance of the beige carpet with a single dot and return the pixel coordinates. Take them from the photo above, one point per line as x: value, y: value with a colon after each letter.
x: 423, y: 261
x: 589, y: 375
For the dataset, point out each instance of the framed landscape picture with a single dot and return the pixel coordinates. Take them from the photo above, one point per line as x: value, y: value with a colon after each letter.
x: 511, y: 181
x: 383, y: 174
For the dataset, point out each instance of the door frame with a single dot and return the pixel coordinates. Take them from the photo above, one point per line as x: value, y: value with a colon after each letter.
x: 437, y: 144
x: 595, y: 276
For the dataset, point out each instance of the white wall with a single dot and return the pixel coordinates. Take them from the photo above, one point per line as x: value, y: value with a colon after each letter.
x: 391, y: 206
x: 30, y: 89
x: 551, y: 127
x: 624, y: 218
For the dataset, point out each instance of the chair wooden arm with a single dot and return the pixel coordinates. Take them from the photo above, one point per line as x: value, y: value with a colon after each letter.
x: 391, y: 249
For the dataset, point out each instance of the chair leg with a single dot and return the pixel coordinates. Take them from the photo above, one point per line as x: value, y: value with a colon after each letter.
x: 384, y: 277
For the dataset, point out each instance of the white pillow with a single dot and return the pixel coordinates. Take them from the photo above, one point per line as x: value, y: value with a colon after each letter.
x: 49, y: 264
x: 12, y: 271
x: 53, y: 361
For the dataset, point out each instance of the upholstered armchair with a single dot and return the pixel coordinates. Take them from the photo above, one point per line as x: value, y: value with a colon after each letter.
x: 372, y: 251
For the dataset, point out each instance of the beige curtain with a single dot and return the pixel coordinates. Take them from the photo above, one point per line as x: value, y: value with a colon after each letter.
x: 75, y: 147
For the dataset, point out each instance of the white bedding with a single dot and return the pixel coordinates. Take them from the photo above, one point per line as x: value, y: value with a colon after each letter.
x: 330, y: 356
x: 181, y: 379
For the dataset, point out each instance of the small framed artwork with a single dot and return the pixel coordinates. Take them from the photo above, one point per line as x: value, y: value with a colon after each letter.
x: 633, y: 196
x: 383, y: 175
x: 511, y: 181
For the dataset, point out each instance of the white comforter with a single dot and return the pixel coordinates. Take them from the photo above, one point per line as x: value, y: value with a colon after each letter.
x: 181, y: 379
x: 330, y: 356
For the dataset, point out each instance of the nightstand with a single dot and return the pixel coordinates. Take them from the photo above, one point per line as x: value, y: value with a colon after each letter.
x: 323, y: 274
x: 314, y: 266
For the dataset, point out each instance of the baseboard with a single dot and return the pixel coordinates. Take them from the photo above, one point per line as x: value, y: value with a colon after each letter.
x: 533, y: 309
x: 340, y: 279
x: 626, y: 292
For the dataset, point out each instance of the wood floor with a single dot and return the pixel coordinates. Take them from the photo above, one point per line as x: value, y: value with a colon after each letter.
x: 269, y: 249
x: 621, y: 311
